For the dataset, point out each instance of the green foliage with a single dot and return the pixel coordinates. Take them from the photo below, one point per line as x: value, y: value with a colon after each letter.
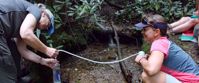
x: 59, y: 10
x: 85, y: 9
x: 127, y: 14
x: 70, y: 40
x: 146, y: 47
x: 86, y: 15
x: 170, y: 10
x: 63, y: 11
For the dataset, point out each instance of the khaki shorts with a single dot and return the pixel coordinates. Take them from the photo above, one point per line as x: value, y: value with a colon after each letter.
x: 171, y: 79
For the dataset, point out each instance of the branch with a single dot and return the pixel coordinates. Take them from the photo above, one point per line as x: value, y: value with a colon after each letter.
x: 126, y: 73
x: 114, y: 5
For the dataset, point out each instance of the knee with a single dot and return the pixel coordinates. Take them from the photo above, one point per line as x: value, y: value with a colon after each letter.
x: 185, y: 18
x: 193, y: 21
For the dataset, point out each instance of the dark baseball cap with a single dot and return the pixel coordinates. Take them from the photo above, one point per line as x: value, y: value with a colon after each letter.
x: 140, y: 25
x: 156, y: 21
x: 156, y: 25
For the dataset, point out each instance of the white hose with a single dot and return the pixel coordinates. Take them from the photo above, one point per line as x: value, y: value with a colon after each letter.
x: 99, y: 62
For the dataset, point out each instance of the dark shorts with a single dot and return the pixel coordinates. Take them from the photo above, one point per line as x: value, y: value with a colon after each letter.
x: 8, y: 71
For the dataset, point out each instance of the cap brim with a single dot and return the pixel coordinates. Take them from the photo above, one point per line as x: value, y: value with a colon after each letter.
x: 140, y: 25
x: 51, y: 29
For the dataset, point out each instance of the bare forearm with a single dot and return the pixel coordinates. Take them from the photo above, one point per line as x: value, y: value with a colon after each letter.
x: 148, y: 68
x: 29, y: 55
x: 25, y: 53
x: 27, y: 34
x: 153, y: 63
x: 31, y: 40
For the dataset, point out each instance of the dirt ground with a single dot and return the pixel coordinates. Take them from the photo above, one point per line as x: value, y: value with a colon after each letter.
x: 79, y: 71
x: 74, y: 70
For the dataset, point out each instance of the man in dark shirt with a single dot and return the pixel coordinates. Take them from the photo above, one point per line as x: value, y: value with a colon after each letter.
x: 18, y: 20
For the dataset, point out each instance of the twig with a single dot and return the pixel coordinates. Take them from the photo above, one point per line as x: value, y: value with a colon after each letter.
x: 114, y: 5
x: 122, y: 64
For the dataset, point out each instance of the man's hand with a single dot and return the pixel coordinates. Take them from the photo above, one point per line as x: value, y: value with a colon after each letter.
x: 52, y: 52
x: 49, y: 62
x: 140, y: 56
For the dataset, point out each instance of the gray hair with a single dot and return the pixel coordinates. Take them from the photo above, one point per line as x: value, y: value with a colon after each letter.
x: 41, y: 6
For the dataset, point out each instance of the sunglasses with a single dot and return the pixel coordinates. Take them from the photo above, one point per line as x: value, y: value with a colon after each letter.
x: 144, y: 21
x: 147, y: 21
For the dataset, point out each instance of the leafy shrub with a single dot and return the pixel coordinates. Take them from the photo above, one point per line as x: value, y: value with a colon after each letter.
x: 71, y: 15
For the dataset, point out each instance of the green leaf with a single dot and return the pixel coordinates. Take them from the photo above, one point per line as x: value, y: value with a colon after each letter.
x: 60, y: 47
x: 62, y: 13
x: 83, y: 11
x: 58, y: 25
x: 71, y: 14
x: 71, y: 8
x: 49, y: 41
x: 59, y: 2
x: 76, y: 6
x: 58, y: 7
x: 93, y: 9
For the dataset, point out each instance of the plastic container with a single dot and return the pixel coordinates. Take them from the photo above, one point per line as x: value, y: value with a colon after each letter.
x: 57, y: 74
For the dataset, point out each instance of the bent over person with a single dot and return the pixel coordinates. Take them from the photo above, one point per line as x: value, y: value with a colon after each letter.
x: 18, y: 20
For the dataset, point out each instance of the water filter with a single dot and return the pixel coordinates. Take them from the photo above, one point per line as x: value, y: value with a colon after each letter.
x: 141, y: 53
x: 56, y: 74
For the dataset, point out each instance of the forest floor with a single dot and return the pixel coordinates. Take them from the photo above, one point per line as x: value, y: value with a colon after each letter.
x: 74, y: 70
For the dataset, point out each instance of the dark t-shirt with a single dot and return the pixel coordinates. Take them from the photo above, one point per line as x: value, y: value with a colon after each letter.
x: 12, y: 14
